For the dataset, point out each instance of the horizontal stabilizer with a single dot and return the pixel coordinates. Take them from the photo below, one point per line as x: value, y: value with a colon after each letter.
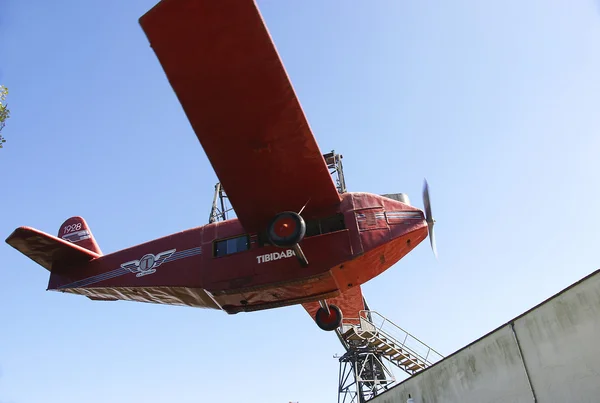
x: 45, y: 249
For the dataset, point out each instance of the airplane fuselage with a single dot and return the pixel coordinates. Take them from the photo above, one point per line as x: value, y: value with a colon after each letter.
x: 220, y: 266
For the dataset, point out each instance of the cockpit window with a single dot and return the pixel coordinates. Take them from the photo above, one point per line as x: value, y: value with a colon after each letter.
x: 229, y: 246
x: 325, y: 225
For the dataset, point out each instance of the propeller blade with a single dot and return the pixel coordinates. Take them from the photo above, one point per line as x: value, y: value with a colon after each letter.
x: 429, y: 216
x: 432, y: 240
x: 426, y: 201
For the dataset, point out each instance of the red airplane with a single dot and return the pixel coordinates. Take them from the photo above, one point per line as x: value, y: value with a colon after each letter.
x: 296, y: 238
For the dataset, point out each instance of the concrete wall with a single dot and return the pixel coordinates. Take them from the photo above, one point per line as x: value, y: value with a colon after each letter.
x: 550, y: 354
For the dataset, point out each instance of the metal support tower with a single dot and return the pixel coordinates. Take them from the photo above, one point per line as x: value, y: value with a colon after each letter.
x: 362, y: 375
x: 371, y: 341
x: 334, y: 163
x: 219, y: 210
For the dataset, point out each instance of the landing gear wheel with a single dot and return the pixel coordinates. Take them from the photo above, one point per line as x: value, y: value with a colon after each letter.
x: 329, y: 321
x: 286, y: 229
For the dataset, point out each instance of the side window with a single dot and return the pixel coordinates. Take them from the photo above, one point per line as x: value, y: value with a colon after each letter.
x: 313, y: 228
x: 232, y: 245
x: 332, y: 224
x: 325, y: 225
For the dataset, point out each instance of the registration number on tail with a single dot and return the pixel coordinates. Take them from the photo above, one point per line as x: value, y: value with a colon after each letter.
x: 71, y: 228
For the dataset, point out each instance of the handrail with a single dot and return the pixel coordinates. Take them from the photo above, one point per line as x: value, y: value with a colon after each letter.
x: 379, y: 329
x: 398, y: 327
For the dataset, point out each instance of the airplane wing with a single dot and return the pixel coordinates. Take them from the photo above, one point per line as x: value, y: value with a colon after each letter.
x: 350, y: 302
x: 227, y: 74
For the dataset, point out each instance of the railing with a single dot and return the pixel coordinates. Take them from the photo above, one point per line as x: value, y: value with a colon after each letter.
x: 378, y: 325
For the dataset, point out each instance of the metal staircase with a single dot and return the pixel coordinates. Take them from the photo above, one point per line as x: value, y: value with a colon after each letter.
x: 391, y: 341
x: 370, y: 340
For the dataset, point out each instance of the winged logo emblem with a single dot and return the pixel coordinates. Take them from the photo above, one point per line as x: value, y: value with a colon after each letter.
x: 148, y: 263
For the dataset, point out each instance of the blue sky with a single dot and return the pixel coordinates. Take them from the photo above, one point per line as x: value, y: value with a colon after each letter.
x: 496, y: 103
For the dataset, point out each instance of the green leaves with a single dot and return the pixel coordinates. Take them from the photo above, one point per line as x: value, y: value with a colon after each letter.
x: 4, y: 111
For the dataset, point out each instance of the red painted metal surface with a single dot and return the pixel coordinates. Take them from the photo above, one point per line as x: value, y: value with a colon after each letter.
x: 46, y: 250
x: 224, y: 68
x: 182, y: 268
x: 225, y: 71
x: 76, y: 230
x: 350, y: 303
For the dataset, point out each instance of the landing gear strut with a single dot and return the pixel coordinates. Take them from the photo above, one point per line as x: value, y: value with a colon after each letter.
x: 328, y: 317
x: 286, y: 230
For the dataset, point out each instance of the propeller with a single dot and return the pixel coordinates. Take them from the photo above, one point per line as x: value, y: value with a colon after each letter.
x: 429, y: 217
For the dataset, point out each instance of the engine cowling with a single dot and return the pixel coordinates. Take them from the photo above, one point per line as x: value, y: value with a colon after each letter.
x: 286, y: 229
x: 401, y: 197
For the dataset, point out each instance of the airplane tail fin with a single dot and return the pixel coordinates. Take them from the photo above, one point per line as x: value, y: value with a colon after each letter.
x: 76, y: 231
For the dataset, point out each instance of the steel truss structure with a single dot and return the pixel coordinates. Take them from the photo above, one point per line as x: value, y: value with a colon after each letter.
x: 220, y: 210
x: 362, y: 375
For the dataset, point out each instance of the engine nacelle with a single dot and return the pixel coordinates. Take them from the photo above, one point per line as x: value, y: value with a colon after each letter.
x: 286, y: 229
x: 401, y: 197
